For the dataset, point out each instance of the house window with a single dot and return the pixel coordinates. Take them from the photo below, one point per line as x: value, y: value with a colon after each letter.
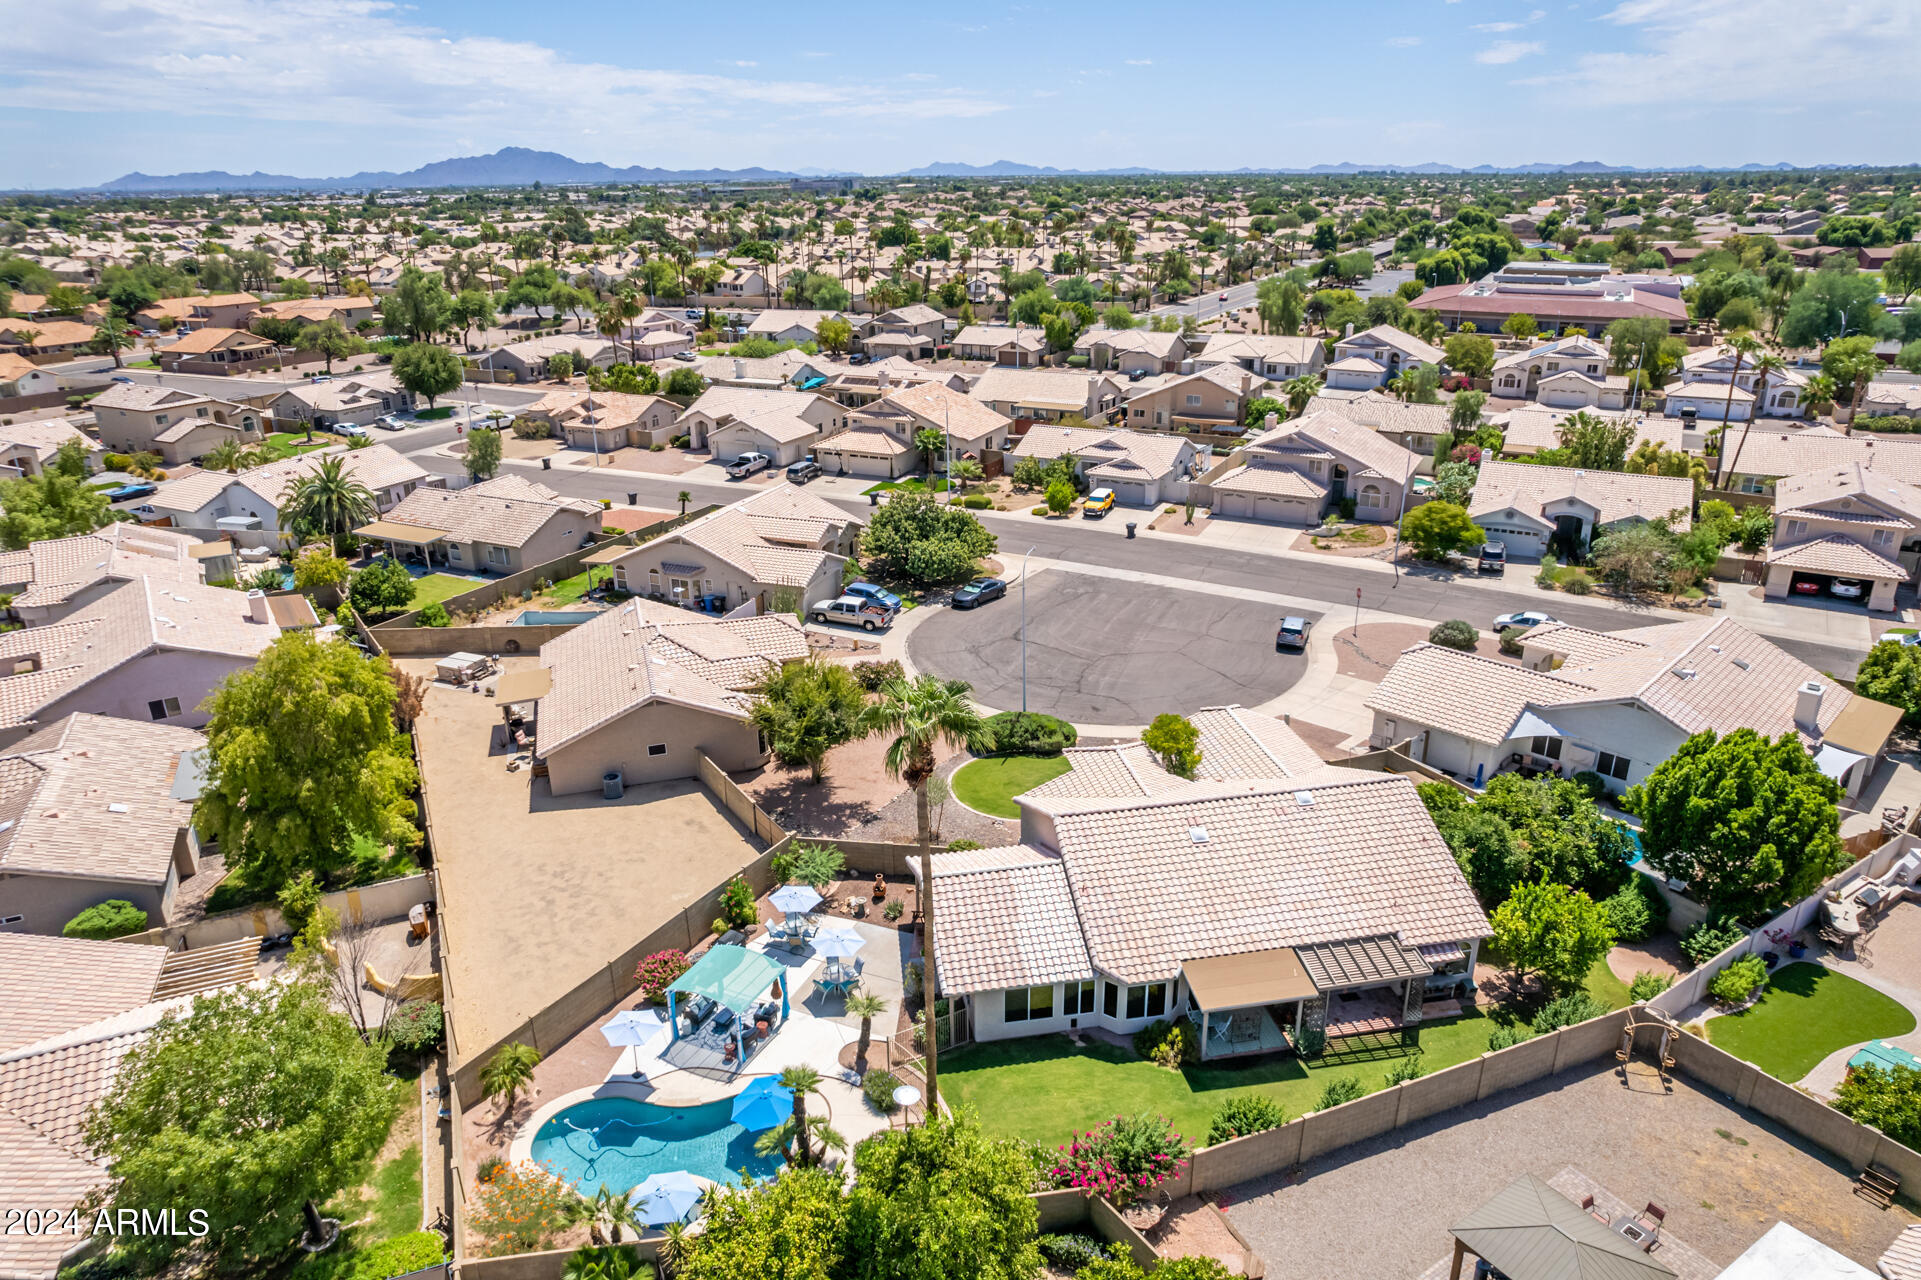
x: 1149, y: 1001
x: 1612, y: 766
x: 1077, y: 997
x: 656, y: 748
x: 1023, y: 1004
x: 1140, y: 413
x: 453, y: 553
x: 1753, y: 484
x: 1796, y: 528
x: 1371, y: 496
x: 1549, y: 747
x: 1109, y: 999
x: 163, y: 708
x: 1882, y: 537
x: 497, y: 555
x: 1193, y: 402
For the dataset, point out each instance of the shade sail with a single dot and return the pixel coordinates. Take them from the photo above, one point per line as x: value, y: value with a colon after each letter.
x: 524, y: 685
x: 389, y: 531
x: 733, y: 977
x: 1253, y: 977
x: 1530, y: 1231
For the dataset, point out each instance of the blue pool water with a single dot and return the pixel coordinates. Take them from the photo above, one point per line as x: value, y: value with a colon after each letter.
x: 553, y: 617
x: 1634, y: 834
x: 617, y: 1142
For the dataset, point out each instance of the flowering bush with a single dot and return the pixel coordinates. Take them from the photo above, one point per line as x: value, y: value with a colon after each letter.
x: 657, y: 972
x: 1122, y: 1159
x: 521, y: 1208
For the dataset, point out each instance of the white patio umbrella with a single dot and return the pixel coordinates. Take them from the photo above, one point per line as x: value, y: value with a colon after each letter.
x: 837, y: 942
x: 793, y: 900
x: 635, y: 1027
x: 665, y: 1197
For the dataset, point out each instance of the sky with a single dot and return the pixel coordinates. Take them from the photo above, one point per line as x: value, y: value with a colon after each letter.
x: 96, y: 88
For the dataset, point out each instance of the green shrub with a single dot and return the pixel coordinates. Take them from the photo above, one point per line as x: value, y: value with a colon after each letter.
x: 1455, y: 634
x: 1577, y: 585
x: 1071, y: 1252
x: 1242, y: 1114
x: 416, y: 1025
x: 415, y: 1251
x: 489, y: 1165
x: 1710, y: 938
x: 1593, y: 783
x: 298, y: 899
x: 872, y: 675
x: 737, y: 904
x: 115, y: 918
x: 1037, y: 511
x: 1627, y: 910
x: 1575, y: 1007
x: 1338, y: 1090
x: 879, y: 1087
x: 1739, y: 980
x: 1169, y: 1044
x: 1507, y: 1037
x: 1412, y: 1067
x: 1544, y: 576
x: 804, y: 862
x: 434, y: 615
x: 1029, y: 733
x: 913, y: 979
x: 1646, y: 986
x: 977, y: 501
x: 1511, y: 641
x: 956, y: 846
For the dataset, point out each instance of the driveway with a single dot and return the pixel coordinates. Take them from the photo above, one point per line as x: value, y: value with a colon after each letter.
x: 1104, y: 651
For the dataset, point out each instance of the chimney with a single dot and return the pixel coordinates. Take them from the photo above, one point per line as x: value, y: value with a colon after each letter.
x: 1807, y: 708
x: 257, y: 607
x: 880, y: 379
x: 1271, y: 421
x: 1350, y: 329
x: 740, y: 369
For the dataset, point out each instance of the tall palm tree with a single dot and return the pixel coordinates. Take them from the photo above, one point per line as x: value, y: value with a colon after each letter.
x: 1744, y: 345
x: 801, y: 1081
x: 1299, y: 391
x: 1767, y: 365
x: 921, y: 714
x: 329, y: 500
x: 866, y: 1007
x: 510, y: 1070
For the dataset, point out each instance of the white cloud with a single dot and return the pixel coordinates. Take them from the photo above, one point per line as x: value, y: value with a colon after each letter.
x: 1497, y: 26
x: 1502, y: 52
x: 1403, y: 42
x: 740, y: 62
x: 1140, y: 62
x: 1722, y: 52
x: 815, y: 53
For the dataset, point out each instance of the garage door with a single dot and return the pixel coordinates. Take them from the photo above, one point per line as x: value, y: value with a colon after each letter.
x: 862, y: 465
x: 1519, y: 542
x: 1131, y: 494
x: 1280, y: 510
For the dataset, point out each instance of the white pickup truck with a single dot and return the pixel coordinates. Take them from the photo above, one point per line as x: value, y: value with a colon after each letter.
x: 868, y: 615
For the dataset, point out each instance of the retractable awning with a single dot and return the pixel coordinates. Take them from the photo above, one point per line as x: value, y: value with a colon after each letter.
x: 1251, y: 978
x: 523, y: 686
x: 1533, y: 726
x: 390, y: 531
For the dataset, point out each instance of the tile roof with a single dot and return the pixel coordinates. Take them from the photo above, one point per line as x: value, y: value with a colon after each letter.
x: 1465, y: 694
x: 51, y: 985
x: 1844, y: 483
x: 36, y: 1171
x: 876, y: 442
x: 60, y: 567
x: 1399, y: 339
x: 1285, y: 481
x: 1534, y: 427
x: 1837, y: 554
x: 1774, y: 452
x: 1266, y: 348
x: 506, y: 511
x: 377, y: 466
x: 1110, y: 452
x: 935, y: 404
x: 776, y: 414
x: 215, y: 338
x: 1383, y: 412
x: 1362, y: 446
x: 142, y: 396
x: 774, y: 535
x: 1005, y: 922
x: 1615, y: 495
x: 1044, y: 388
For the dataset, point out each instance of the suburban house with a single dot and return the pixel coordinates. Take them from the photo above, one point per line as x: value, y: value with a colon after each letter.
x: 28, y: 448
x: 1530, y: 428
x: 855, y: 385
x: 20, y: 376
x: 879, y: 438
x: 1706, y: 374
x: 606, y: 420
x: 1619, y: 703
x: 499, y: 526
x: 642, y: 691
x: 660, y: 344
x: 44, y: 337
x: 99, y: 814
x: 1412, y: 426
x: 1558, y: 295
x: 1142, y: 469
x: 1531, y: 509
x: 781, y: 548
x: 209, y: 311
x: 55, y: 576
x: 1012, y: 346
x: 742, y: 282
x: 1274, y: 356
x: 1213, y: 399
x: 338, y: 402
x: 147, y: 649
x: 1893, y: 397
x: 1517, y: 375
x: 1844, y: 523
x: 238, y: 503
x: 784, y: 425
x: 1293, y: 471
x: 912, y: 332
x: 789, y: 367
x: 1754, y: 459
x: 351, y: 310
x: 1047, y: 395
x: 1131, y: 350
x: 785, y: 324
x: 1248, y: 899
x: 1375, y: 357
x: 527, y: 360
x: 218, y: 350
x: 133, y: 417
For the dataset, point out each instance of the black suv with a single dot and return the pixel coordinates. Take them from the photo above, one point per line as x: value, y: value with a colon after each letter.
x: 803, y: 471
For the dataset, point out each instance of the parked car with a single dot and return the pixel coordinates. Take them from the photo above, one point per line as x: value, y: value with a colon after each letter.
x: 1493, y: 556
x: 692, y: 313
x: 1849, y: 588
x: 390, y: 422
x: 138, y: 489
x: 979, y: 591
x: 1907, y: 641
x: 1527, y: 619
x: 1137, y: 375
x: 803, y: 471
x: 868, y: 615
x: 688, y: 356
x: 352, y: 430
x: 1099, y: 503
x: 1806, y: 587
x: 747, y: 464
x: 868, y: 591
x: 120, y: 378
x: 1292, y: 634
x: 857, y: 358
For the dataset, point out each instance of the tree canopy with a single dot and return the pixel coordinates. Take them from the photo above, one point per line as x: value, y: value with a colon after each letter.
x: 915, y: 537
x: 1552, y: 932
x: 1436, y: 528
x: 942, y: 1201
x: 427, y: 370
x: 808, y: 709
x: 792, y: 1227
x: 57, y: 503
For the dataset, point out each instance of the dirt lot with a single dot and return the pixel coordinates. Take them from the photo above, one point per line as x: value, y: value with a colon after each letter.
x: 1369, y: 650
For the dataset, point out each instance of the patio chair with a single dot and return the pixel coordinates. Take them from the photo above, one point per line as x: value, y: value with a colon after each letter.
x: 1587, y: 1203
x: 1651, y: 1220
x: 776, y: 931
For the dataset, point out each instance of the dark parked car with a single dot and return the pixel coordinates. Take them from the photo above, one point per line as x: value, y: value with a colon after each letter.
x: 139, y: 489
x: 868, y: 591
x: 1293, y: 634
x: 803, y: 471
x: 979, y: 591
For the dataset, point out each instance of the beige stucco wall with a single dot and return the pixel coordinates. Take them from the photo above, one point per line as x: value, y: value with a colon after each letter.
x: 126, y: 690
x: 683, y: 731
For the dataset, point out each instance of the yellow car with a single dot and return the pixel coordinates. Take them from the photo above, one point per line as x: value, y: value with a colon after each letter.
x: 1099, y: 503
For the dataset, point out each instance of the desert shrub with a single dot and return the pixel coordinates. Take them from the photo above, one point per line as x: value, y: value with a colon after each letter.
x: 1037, y: 511
x: 397, y: 1256
x: 434, y: 615
x: 1710, y: 938
x: 1507, y: 1037
x: 1242, y: 1114
x: 416, y: 1025
x: 521, y: 1209
x: 1454, y: 634
x: 1169, y: 1044
x: 1577, y: 585
x: 1627, y: 910
x: 657, y: 972
x: 913, y: 979
x: 1577, y: 1006
x: 1646, y: 986
x: 1544, y: 576
x: 956, y: 846
x: 872, y: 675
x: 1030, y: 733
x: 1338, y: 1090
x: 978, y: 501
x: 1310, y: 1042
x: 879, y: 1087
x: 894, y: 910
x: 737, y: 903
x: 1412, y: 1067
x: 1511, y: 641
x: 532, y: 428
x: 1739, y: 980
x: 485, y: 1171
x: 805, y: 862
x: 115, y: 918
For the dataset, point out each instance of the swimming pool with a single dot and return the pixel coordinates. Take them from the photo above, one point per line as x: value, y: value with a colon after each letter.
x: 553, y: 617
x: 617, y: 1142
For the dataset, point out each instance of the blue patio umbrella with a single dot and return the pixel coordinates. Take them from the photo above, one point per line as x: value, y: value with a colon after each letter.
x: 794, y: 899
x: 665, y: 1197
x: 763, y: 1104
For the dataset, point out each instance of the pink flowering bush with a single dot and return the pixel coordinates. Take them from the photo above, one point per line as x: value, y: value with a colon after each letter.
x: 657, y: 972
x: 1122, y: 1159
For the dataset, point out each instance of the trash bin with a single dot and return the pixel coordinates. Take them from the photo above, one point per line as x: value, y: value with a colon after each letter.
x: 873, y: 499
x: 1130, y: 528
x: 611, y: 784
x: 633, y: 498
x: 546, y: 464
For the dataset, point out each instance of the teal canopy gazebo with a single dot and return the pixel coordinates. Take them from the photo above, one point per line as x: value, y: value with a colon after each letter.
x: 735, y: 979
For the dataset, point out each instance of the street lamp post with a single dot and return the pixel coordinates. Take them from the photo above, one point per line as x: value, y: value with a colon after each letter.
x: 1029, y: 552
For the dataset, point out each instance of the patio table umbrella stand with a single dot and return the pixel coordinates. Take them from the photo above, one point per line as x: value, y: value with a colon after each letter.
x: 835, y: 945
x: 763, y: 1104
x: 794, y: 900
x: 635, y: 1028
x: 665, y: 1197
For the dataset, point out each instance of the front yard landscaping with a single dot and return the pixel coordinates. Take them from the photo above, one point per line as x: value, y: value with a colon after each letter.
x: 989, y: 786
x: 285, y: 444
x: 1046, y: 1090
x: 916, y: 485
x: 1805, y: 1013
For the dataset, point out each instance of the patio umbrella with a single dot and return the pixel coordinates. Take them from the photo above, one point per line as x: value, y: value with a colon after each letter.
x: 764, y: 1103
x: 794, y: 899
x: 665, y: 1197
x: 635, y: 1027
x: 837, y: 942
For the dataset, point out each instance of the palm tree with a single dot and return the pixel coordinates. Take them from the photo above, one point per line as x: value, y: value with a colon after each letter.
x: 608, y: 322
x: 865, y: 1006
x: 230, y: 456
x: 684, y: 497
x: 801, y: 1081
x: 1818, y: 395
x: 613, y: 1209
x: 675, y: 1247
x: 1743, y: 345
x: 1859, y: 370
x: 1299, y: 391
x: 966, y: 469
x: 328, y: 501
x: 510, y: 1070
x: 922, y: 714
x: 1767, y: 365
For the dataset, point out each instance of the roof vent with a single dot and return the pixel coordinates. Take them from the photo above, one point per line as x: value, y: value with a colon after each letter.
x: 117, y: 807
x: 1742, y: 663
x: 1304, y: 798
x: 1684, y: 673
x: 1197, y: 834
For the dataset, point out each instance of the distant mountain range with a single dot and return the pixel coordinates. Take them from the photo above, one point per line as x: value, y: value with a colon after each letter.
x: 520, y: 166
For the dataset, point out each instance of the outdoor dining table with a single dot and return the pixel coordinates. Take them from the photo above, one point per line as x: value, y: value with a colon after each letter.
x: 842, y: 984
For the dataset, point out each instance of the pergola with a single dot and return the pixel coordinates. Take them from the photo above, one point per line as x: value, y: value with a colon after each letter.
x: 1530, y: 1231
x: 1301, y: 977
x: 396, y: 535
x: 734, y: 978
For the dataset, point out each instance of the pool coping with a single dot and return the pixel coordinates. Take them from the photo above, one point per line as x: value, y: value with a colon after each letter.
x: 521, y: 1149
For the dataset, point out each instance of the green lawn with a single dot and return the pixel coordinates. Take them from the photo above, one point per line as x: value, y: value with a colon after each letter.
x: 436, y: 587
x: 1605, y: 987
x: 916, y: 485
x: 436, y: 413
x: 285, y: 444
x: 1045, y: 1089
x: 1806, y: 1012
x: 568, y: 590
x: 990, y: 786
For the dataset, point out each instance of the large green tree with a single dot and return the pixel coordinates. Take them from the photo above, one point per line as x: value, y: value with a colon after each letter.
x: 793, y: 1227
x: 1748, y: 821
x: 1830, y: 304
x: 942, y: 1201
x: 418, y: 307
x: 808, y: 709
x: 1551, y: 932
x: 245, y: 1106
x: 303, y: 757
x: 1891, y: 673
x: 1889, y: 1100
x: 427, y: 370
x: 1470, y: 353
x: 331, y: 340
x: 54, y: 504
x: 915, y: 537
x: 1436, y: 528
